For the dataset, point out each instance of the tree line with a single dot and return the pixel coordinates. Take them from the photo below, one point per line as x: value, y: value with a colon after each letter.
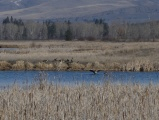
x: 16, y: 29
x: 98, y: 29
x: 146, y: 31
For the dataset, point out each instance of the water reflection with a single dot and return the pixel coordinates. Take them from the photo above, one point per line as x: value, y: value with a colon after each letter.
x: 73, y: 77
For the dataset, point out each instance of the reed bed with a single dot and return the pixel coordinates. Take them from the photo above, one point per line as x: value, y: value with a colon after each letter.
x: 120, y: 56
x: 45, y: 101
x: 143, y: 65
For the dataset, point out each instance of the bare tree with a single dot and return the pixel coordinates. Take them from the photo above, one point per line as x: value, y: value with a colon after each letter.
x: 11, y: 31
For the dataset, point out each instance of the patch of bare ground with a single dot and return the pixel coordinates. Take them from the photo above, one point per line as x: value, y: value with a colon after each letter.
x: 132, y: 56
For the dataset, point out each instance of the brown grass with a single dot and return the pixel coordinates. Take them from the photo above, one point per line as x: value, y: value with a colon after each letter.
x: 19, y: 65
x: 43, y: 66
x: 60, y: 66
x: 89, y: 102
x: 76, y: 66
x: 116, y: 56
x: 4, y: 65
x: 29, y: 66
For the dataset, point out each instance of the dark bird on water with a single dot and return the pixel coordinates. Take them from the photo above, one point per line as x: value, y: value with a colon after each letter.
x: 94, y: 71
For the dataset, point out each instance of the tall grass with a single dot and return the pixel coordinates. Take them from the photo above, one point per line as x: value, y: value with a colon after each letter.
x: 126, y: 56
x: 44, y: 101
x: 82, y: 51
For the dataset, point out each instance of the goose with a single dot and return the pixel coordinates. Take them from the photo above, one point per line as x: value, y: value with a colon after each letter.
x: 67, y: 61
x: 94, y: 71
x: 55, y: 59
x: 72, y: 60
x: 68, y: 68
x: 45, y: 61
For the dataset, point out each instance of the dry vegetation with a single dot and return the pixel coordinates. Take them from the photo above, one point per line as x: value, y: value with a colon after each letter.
x: 132, y: 56
x: 43, y: 101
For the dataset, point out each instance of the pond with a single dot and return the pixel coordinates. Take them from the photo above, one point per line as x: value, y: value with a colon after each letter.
x: 74, y: 77
x: 8, y: 49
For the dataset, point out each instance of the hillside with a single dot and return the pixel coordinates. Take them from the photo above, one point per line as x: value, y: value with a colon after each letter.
x: 129, y: 10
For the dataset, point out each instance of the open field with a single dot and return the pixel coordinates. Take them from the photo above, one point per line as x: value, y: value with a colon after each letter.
x: 43, y: 101
x: 77, y: 55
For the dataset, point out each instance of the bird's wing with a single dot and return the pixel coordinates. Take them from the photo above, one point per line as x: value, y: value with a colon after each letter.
x: 92, y: 71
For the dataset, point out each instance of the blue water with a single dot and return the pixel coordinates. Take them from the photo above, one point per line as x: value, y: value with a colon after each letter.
x: 73, y: 77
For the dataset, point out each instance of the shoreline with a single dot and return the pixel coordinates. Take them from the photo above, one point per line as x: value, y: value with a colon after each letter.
x: 76, y: 66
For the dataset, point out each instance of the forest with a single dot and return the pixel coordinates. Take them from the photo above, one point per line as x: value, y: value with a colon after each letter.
x: 17, y: 29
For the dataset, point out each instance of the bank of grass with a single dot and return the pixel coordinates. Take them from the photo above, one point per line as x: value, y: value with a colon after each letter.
x: 44, y: 101
x: 129, y: 56
x: 76, y: 66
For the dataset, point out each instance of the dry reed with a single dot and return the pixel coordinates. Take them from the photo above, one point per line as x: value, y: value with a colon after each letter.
x: 4, y: 65
x: 76, y: 66
x: 132, y: 56
x: 29, y: 66
x: 44, y: 66
x: 19, y: 65
x: 43, y: 101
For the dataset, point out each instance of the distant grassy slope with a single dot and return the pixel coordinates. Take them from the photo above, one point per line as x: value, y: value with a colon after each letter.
x: 108, y: 9
x: 63, y: 8
x: 8, y: 5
